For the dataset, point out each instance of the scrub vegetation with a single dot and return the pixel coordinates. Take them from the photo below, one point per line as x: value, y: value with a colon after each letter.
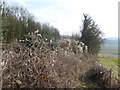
x: 35, y: 55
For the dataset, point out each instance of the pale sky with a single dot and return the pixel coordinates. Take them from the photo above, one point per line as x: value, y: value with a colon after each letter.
x: 67, y: 15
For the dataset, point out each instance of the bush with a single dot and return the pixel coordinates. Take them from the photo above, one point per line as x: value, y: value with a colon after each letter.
x: 100, y: 77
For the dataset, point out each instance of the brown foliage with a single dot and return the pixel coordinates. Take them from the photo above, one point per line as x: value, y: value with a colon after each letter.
x: 23, y: 66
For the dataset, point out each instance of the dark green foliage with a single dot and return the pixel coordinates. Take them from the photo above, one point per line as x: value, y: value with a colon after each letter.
x: 49, y: 32
x: 91, y: 35
x: 27, y: 41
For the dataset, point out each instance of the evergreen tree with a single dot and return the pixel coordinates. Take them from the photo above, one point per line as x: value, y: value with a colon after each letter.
x: 91, y: 35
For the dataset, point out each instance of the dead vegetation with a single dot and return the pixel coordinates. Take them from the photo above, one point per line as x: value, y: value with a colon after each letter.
x: 99, y: 77
x: 60, y: 67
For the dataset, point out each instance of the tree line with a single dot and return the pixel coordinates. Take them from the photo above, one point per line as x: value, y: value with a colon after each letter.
x: 17, y: 21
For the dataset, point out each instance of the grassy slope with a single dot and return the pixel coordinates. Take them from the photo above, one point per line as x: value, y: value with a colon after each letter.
x: 109, y: 49
x: 108, y: 56
x: 109, y: 61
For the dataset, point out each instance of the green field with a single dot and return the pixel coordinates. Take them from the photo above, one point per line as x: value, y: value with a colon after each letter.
x: 110, y: 61
x: 109, y: 49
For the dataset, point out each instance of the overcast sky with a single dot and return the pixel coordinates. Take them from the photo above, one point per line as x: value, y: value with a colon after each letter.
x: 67, y: 15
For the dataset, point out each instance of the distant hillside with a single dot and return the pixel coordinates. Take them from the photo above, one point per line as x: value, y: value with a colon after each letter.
x: 110, y: 46
x: 112, y: 41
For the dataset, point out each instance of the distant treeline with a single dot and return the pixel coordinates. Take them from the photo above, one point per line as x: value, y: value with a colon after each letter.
x: 17, y: 22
